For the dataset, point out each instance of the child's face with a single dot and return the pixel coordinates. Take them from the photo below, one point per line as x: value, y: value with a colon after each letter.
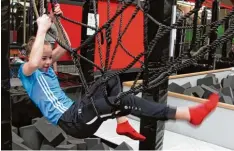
x: 46, y: 59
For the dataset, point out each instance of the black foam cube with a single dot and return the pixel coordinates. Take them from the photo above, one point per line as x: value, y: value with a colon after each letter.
x: 52, y: 133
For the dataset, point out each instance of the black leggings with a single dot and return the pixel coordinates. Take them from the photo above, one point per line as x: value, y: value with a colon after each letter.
x: 81, y: 120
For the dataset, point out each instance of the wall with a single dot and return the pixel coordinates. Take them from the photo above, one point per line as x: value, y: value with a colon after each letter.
x: 132, y: 39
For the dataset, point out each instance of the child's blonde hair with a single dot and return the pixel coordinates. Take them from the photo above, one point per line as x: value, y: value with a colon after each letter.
x: 30, y: 43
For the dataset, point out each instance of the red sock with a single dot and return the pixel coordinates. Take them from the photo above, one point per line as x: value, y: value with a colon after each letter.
x: 126, y: 129
x: 200, y: 112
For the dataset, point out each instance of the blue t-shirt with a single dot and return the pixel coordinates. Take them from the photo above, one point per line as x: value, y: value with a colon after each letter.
x: 44, y: 90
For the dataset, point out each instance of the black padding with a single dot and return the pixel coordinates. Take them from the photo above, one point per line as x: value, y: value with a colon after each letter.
x: 213, y: 75
x: 69, y: 137
x: 227, y: 91
x: 187, y: 85
x: 66, y: 147
x: 19, y: 146
x: 196, y: 91
x: 231, y: 81
x: 206, y: 81
x: 64, y: 142
x: 91, y: 142
x: 31, y: 137
x: 226, y: 82
x: 47, y: 145
x: 17, y: 138
x: 226, y: 99
x: 52, y: 133
x: 124, y: 146
x: 101, y: 146
x: 173, y: 87
x: 80, y: 144
x: 208, y: 91
x: 214, y: 88
x: 217, y: 86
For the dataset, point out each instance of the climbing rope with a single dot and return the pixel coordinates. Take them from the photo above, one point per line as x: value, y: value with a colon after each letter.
x: 159, y: 75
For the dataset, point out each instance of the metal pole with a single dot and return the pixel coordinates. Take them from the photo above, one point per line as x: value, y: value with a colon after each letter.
x: 179, y: 40
x: 215, y: 17
x: 173, y: 32
x: 151, y: 129
x: 87, y: 52
x: 195, y: 18
x: 203, y: 22
x: 6, y: 142
x: 24, y: 28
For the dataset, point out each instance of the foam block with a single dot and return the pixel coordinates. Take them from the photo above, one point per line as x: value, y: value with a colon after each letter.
x: 46, y: 145
x: 69, y: 137
x: 206, y: 81
x: 52, y: 133
x: 226, y: 82
x: 124, y: 146
x: 210, y: 75
x: 213, y: 75
x: 66, y: 138
x: 19, y: 146
x: 196, y: 91
x: 231, y: 81
x: 226, y: 99
x: 187, y: 85
x: 208, y: 91
x: 173, y: 87
x: 101, y: 146
x: 91, y: 142
x: 227, y: 91
x: 31, y: 137
x: 80, y: 144
x: 16, y: 138
x: 217, y: 86
x: 66, y: 147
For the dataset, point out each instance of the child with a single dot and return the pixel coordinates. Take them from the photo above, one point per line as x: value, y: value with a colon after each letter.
x: 79, y: 118
x: 42, y: 85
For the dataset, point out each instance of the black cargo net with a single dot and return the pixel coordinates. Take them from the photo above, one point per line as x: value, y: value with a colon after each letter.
x: 159, y: 75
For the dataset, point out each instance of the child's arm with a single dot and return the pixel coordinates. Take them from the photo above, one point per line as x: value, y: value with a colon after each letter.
x: 59, y: 51
x: 36, y: 53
